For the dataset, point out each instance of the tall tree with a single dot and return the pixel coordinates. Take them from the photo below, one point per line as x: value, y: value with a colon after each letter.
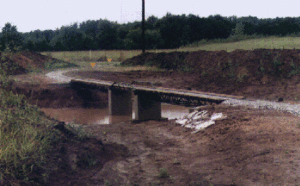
x: 107, y: 35
x: 11, y: 39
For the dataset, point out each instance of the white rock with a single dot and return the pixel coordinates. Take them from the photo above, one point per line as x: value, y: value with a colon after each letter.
x: 200, y: 116
x: 203, y: 126
x: 218, y: 116
x: 192, y: 114
x: 199, y: 120
x: 181, y: 121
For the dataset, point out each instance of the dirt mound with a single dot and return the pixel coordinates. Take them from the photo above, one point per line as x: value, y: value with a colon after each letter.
x: 6, y: 62
x: 255, y: 73
x: 239, y: 64
x: 74, y: 155
x: 25, y: 61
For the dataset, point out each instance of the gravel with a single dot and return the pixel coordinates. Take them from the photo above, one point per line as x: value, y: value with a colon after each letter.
x: 262, y: 104
x: 59, y: 77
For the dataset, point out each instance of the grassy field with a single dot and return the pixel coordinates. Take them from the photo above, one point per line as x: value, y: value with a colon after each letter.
x: 120, y: 55
x: 99, y: 55
x: 251, y: 44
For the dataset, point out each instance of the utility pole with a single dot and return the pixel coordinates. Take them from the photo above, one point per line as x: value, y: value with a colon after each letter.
x: 143, y: 26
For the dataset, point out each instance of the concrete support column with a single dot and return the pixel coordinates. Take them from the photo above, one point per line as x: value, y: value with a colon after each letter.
x: 119, y: 102
x: 146, y: 107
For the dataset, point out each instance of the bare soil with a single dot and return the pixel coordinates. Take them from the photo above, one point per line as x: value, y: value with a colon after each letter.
x: 251, y: 147
x: 262, y: 73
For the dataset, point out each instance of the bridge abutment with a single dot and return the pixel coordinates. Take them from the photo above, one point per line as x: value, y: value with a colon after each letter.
x: 146, y: 107
x: 119, y: 102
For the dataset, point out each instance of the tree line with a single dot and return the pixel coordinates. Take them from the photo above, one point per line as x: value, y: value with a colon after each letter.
x: 170, y: 31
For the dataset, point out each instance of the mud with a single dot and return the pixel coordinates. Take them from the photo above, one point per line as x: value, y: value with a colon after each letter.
x: 92, y: 116
x: 251, y: 147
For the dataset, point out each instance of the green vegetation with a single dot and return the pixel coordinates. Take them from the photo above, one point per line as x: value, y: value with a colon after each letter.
x: 247, y: 44
x: 25, y: 138
x: 214, y: 45
x: 170, y: 31
x: 163, y: 173
x: 92, y: 56
x: 295, y: 69
x: 55, y: 64
x: 11, y: 39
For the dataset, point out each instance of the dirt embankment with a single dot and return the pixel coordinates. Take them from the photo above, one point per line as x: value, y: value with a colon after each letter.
x: 22, y: 62
x: 261, y: 73
x: 61, y: 96
x: 41, y: 90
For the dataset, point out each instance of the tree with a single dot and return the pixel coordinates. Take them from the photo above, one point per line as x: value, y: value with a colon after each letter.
x: 150, y: 22
x: 239, y: 29
x: 38, y: 40
x: 11, y: 39
x: 90, y: 30
x: 174, y: 30
x: 107, y: 35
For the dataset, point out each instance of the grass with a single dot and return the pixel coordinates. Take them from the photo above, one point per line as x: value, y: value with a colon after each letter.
x: 250, y: 44
x: 99, y: 55
x: 91, y: 56
x: 25, y: 138
x: 114, y: 67
x: 163, y: 173
x: 229, y: 45
x: 56, y: 64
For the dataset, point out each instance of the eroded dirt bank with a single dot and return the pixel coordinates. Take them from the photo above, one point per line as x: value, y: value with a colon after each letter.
x: 54, y: 95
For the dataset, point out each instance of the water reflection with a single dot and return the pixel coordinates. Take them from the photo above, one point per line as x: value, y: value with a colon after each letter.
x: 100, y: 116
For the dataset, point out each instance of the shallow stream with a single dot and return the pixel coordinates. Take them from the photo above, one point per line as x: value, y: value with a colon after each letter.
x: 100, y: 116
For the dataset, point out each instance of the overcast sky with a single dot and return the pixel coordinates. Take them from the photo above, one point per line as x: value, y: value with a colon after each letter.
x: 29, y: 15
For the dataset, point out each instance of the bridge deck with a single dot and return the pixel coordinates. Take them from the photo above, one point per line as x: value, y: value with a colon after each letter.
x: 101, y: 84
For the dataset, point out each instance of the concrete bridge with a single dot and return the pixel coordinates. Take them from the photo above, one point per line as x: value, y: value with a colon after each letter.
x: 147, y: 99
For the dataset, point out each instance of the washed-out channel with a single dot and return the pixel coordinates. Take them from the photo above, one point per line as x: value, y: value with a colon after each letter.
x: 101, y: 116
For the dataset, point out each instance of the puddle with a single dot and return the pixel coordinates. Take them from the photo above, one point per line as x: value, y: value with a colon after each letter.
x: 100, y: 116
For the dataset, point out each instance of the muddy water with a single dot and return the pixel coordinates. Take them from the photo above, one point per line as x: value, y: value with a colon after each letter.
x: 100, y: 116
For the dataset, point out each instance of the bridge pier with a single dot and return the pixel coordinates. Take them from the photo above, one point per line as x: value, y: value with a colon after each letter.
x: 119, y: 102
x: 147, y: 101
x: 146, y: 107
